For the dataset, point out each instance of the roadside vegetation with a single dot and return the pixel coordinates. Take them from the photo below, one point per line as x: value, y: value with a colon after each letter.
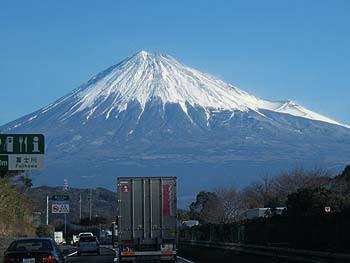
x: 309, y: 209
x: 16, y: 213
x: 300, y: 191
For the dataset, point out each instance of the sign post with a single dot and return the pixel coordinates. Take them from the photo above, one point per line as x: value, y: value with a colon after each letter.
x: 60, y: 205
x: 21, y: 151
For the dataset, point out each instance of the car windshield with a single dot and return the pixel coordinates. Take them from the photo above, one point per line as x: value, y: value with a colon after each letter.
x: 30, y: 245
x: 87, y: 239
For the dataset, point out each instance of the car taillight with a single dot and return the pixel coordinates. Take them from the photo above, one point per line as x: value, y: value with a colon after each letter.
x: 49, y: 259
x: 9, y: 260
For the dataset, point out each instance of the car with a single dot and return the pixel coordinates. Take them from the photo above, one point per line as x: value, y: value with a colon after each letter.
x: 88, y: 244
x: 89, y: 234
x: 32, y: 250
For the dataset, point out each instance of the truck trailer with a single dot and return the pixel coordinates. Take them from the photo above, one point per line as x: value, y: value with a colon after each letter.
x: 146, y: 223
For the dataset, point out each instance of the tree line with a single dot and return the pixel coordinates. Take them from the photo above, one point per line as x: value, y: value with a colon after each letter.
x: 302, y: 192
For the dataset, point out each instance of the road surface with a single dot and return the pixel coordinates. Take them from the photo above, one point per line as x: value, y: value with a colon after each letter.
x: 190, y: 256
x: 107, y: 256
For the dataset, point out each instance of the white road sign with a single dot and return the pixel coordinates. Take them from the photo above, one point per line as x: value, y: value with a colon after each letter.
x: 60, y: 207
x: 25, y: 161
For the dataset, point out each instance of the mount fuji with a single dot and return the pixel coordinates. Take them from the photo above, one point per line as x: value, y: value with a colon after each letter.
x: 151, y: 115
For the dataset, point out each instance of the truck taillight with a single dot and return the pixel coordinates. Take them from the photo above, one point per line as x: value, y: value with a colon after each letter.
x: 128, y: 253
x: 49, y: 259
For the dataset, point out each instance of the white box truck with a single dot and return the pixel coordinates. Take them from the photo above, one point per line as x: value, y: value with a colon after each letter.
x: 145, y: 227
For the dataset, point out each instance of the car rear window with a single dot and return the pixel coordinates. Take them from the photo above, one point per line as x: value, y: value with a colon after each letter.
x: 30, y: 245
x: 87, y: 239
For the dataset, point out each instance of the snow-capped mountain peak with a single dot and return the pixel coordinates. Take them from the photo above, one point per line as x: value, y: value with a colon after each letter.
x: 146, y: 77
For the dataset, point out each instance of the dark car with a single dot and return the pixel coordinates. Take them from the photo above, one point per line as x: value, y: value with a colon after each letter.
x: 88, y: 244
x: 33, y: 250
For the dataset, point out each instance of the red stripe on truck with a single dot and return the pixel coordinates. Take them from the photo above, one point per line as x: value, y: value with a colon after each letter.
x: 166, y: 200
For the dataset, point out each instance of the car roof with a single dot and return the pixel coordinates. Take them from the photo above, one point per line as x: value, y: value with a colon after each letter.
x: 34, y: 239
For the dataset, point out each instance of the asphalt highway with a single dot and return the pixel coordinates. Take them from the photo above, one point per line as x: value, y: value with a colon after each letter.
x: 107, y: 256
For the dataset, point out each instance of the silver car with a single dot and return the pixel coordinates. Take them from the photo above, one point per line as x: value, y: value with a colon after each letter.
x: 88, y: 244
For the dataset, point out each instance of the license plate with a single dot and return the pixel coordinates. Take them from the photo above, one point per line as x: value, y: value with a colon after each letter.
x: 29, y: 260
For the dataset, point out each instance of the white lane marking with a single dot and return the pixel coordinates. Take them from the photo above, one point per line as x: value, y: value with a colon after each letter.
x: 185, y: 260
x: 115, y: 251
x: 71, y: 254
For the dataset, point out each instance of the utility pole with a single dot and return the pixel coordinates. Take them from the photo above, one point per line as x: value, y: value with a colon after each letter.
x: 65, y: 189
x: 90, y: 203
x: 80, y: 206
x: 65, y: 185
x: 47, y: 210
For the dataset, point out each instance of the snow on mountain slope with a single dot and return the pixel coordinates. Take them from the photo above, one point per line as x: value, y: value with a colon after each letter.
x: 146, y: 76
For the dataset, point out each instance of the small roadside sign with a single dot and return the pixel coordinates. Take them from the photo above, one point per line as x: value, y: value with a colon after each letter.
x: 60, y: 204
x: 327, y: 209
x: 60, y: 198
x: 21, y: 151
x: 60, y: 207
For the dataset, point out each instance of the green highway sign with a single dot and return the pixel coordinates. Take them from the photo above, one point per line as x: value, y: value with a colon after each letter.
x: 60, y: 198
x: 21, y: 151
x: 4, y: 162
x: 22, y: 144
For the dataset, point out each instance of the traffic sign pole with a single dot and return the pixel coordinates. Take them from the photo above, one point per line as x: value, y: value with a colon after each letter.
x: 65, y: 226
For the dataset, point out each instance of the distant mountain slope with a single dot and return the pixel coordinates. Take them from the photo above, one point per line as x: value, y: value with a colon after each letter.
x: 151, y: 115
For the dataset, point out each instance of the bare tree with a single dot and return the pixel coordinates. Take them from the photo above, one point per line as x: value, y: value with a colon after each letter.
x: 289, y: 182
x: 273, y: 192
x: 230, y: 204
x: 258, y: 194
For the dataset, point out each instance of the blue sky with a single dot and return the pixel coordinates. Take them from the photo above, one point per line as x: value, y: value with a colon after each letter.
x: 277, y: 50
